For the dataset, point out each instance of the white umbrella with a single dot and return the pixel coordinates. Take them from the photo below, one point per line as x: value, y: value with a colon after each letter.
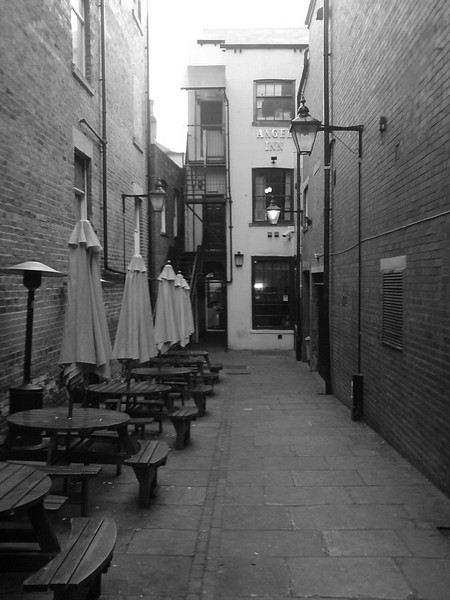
x: 184, y: 309
x: 86, y: 346
x: 167, y: 326
x: 135, y: 339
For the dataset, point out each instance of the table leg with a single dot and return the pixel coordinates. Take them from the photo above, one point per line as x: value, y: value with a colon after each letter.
x: 11, y: 435
x: 127, y: 443
x: 40, y: 522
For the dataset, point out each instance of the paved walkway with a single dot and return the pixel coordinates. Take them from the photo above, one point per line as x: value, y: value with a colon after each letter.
x: 279, y: 496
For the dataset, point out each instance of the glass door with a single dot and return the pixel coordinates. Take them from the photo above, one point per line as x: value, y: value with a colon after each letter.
x: 215, y: 305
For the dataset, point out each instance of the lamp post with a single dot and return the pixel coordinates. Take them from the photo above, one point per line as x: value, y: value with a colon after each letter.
x: 28, y: 395
x: 304, y: 129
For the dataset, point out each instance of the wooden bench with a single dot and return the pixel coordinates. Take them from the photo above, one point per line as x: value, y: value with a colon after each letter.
x: 181, y: 420
x: 81, y: 473
x: 54, y: 502
x: 75, y: 572
x: 145, y: 463
x: 199, y: 392
x: 139, y: 424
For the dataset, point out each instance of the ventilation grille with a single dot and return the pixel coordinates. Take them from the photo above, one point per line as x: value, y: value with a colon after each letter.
x: 392, y: 328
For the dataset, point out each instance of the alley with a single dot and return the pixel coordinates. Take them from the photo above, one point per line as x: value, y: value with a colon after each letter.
x: 279, y: 495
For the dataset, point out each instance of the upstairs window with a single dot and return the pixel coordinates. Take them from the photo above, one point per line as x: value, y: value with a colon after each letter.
x: 81, y: 164
x: 276, y: 184
x: 79, y: 43
x: 274, y: 101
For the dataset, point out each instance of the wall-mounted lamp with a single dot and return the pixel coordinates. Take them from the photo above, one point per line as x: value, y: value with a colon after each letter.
x: 158, y: 197
x: 239, y: 259
x: 308, y: 221
x: 273, y: 159
x: 383, y: 124
x: 273, y: 212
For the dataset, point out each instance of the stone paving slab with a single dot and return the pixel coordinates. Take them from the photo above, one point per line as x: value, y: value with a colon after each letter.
x: 279, y: 496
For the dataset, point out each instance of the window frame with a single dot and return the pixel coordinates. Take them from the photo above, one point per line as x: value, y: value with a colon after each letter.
x: 81, y: 194
x: 287, y: 207
x: 257, y: 120
x: 286, y: 301
x: 80, y: 35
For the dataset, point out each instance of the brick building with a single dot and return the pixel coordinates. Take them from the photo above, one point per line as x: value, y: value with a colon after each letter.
x: 74, y: 133
x: 388, y: 267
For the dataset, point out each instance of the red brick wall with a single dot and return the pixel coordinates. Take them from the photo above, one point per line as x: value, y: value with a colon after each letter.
x: 390, y: 59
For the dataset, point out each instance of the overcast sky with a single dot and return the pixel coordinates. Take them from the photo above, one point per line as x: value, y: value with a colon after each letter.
x: 174, y: 28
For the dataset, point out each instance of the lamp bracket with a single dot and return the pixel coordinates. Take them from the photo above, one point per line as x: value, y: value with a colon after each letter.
x: 338, y: 128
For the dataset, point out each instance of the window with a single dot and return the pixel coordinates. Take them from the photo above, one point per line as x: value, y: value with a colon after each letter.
x: 138, y: 113
x: 163, y: 229
x: 274, y: 101
x: 272, y: 293
x: 79, y: 49
x: 276, y: 184
x: 81, y: 186
x: 211, y: 114
x: 392, y: 320
x: 176, y: 196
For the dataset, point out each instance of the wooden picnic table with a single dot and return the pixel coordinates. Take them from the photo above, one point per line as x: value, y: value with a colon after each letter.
x: 165, y: 372
x: 22, y: 492
x: 175, y: 360
x: 132, y: 392
x: 56, y: 423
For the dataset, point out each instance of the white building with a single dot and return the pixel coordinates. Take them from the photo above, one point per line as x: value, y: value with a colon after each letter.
x: 242, y: 98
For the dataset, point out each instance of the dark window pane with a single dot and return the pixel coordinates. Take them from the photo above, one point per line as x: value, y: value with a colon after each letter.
x: 272, y: 294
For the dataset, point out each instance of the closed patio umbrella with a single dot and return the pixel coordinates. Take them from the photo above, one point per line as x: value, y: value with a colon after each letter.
x: 167, y: 325
x: 135, y: 339
x: 86, y: 346
x: 184, y: 308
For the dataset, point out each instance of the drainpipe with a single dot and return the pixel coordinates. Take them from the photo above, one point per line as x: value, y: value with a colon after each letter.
x: 324, y: 356
x: 104, y: 141
x: 230, y: 203
x: 151, y: 266
x: 228, y: 190
x: 104, y: 161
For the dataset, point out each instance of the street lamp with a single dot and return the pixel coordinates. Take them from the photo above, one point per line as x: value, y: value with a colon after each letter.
x: 304, y: 130
x: 158, y: 197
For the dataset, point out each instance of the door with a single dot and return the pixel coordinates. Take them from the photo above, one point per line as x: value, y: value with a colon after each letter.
x: 215, y: 305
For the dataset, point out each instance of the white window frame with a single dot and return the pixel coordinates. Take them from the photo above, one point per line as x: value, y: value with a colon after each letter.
x: 79, y: 42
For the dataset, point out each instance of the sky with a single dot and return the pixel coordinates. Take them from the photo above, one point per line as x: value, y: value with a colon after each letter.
x: 175, y: 26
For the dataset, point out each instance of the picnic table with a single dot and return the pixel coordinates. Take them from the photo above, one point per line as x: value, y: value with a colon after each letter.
x: 131, y: 391
x: 22, y: 493
x: 74, y: 430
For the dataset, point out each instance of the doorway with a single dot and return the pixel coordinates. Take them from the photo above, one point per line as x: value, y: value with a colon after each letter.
x: 215, y: 305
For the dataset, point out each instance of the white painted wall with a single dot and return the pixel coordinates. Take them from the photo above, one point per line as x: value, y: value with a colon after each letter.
x: 252, y: 148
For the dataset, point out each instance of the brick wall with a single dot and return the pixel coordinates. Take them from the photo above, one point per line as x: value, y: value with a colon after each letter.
x: 42, y: 105
x: 389, y: 59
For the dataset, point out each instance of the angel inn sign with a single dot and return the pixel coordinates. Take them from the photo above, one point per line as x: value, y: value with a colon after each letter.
x: 273, y: 138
